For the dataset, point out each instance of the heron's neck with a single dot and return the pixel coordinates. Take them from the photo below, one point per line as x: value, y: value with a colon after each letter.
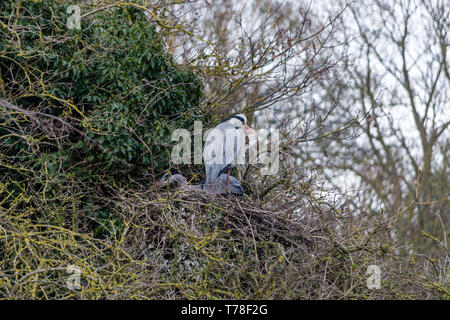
x: 178, y: 178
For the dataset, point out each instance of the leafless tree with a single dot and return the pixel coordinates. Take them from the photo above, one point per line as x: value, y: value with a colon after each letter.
x: 397, y: 77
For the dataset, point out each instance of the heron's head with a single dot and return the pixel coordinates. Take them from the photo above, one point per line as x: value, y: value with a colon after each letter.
x: 162, y: 181
x: 169, y: 178
x: 240, y: 120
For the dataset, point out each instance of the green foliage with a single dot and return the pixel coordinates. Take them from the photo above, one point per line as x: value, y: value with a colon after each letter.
x: 113, y: 79
x: 106, y: 99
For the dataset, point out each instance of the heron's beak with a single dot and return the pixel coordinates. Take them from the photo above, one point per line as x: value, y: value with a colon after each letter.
x: 250, y: 130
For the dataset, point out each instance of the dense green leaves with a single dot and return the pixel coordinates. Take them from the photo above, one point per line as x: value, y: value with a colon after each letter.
x: 104, y: 101
x: 113, y: 79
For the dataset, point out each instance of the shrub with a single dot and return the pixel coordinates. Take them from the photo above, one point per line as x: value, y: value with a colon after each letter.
x: 113, y: 80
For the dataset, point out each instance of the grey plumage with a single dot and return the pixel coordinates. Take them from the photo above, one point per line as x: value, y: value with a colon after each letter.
x: 177, y: 178
x: 222, y: 147
x: 220, y: 185
x: 235, y: 186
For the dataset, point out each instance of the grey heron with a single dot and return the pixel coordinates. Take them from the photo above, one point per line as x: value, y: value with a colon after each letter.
x: 222, y: 147
x: 221, y: 185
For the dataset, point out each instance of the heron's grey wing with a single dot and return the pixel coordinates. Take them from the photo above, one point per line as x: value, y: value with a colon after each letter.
x: 212, y: 171
x: 193, y: 187
x: 235, y: 186
x: 214, y: 151
x: 234, y: 140
x: 213, y: 156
